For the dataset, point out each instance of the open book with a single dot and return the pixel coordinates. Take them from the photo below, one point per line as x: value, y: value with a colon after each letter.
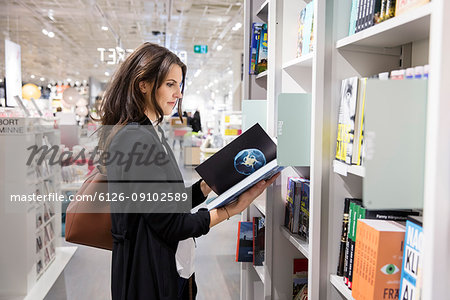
x: 250, y: 158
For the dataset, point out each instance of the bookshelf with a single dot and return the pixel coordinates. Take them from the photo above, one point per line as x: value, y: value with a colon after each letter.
x: 418, y: 37
x: 31, y: 229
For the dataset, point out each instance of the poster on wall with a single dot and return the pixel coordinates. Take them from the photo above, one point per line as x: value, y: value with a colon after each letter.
x: 13, y: 72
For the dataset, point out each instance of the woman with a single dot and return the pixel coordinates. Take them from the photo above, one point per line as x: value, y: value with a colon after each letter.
x: 147, y: 86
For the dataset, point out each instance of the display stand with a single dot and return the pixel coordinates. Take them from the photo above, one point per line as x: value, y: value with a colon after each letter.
x: 30, y: 229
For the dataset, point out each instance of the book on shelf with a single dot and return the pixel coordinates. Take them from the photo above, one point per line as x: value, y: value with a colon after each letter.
x: 259, y: 233
x: 351, y: 232
x: 248, y: 159
x: 410, y: 288
x: 358, y: 139
x: 353, y: 17
x: 344, y: 232
x: 357, y: 212
x: 244, y: 248
x: 261, y: 62
x: 346, y: 120
x: 403, y: 6
x: 300, y: 32
x: 300, y: 279
x: 378, y: 258
x: 308, y: 37
x: 292, y: 208
x: 254, y: 47
x: 303, y: 229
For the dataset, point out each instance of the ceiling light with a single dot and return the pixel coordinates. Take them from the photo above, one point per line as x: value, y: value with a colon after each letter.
x: 230, y: 72
x: 69, y: 80
x: 32, y: 76
x: 44, y: 31
x: 49, y: 86
x: 206, y: 87
x: 1, y: 80
x: 42, y: 78
x: 105, y: 28
x: 216, y: 81
x: 219, y: 47
x: 197, y: 73
x: 51, y: 34
x: 198, y: 92
x: 237, y: 26
x: 106, y: 73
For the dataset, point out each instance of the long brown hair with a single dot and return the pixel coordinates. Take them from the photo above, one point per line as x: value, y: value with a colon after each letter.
x: 123, y: 101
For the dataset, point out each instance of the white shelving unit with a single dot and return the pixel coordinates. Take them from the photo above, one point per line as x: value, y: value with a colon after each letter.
x: 418, y: 37
x: 29, y: 229
x: 338, y: 283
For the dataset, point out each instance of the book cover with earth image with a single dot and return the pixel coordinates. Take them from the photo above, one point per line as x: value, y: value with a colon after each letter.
x: 238, y: 160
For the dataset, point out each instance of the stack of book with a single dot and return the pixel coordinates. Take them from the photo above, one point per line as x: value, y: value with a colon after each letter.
x: 258, y: 49
x: 250, y: 241
x: 353, y: 212
x: 305, y: 38
x: 366, y: 13
x: 296, y: 217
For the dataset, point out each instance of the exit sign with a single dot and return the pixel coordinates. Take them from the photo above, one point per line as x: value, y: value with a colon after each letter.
x: 200, y: 48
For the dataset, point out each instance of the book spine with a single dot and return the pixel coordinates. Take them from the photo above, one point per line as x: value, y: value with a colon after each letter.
x: 353, y: 17
x: 358, y: 215
x: 345, y: 217
x: 307, y: 28
x: 255, y: 233
x: 365, y: 14
x: 371, y: 14
x: 297, y: 206
x: 352, y: 216
x: 237, y: 244
x: 359, y: 18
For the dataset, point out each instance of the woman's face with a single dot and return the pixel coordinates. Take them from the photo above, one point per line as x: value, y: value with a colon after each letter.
x: 170, y: 90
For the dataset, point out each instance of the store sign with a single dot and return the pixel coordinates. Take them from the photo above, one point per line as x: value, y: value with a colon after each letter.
x: 113, y: 56
x: 201, y: 49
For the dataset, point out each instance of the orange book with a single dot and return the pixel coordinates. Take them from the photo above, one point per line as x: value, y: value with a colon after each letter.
x: 378, y: 259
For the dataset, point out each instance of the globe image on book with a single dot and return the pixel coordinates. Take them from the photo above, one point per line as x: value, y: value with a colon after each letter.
x: 248, y: 161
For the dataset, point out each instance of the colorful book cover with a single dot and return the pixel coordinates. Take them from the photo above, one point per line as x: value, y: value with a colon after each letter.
x: 378, y: 258
x: 353, y: 214
x: 358, y: 139
x: 412, y: 259
x: 258, y: 240
x: 308, y: 27
x: 244, y: 248
x: 254, y: 44
x: 293, y: 204
x: 403, y: 6
x: 249, y: 158
x: 353, y: 17
x: 304, y: 210
x: 344, y: 235
x: 261, y: 64
x: 300, y: 279
x: 301, y: 26
x: 346, y: 120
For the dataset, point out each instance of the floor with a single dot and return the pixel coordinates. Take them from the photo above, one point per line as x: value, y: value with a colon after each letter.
x: 87, y: 276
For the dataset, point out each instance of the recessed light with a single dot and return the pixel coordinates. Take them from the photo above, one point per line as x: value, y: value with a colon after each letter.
x: 42, y: 78
x: 105, y: 28
x: 69, y: 80
x: 44, y: 31
x: 51, y: 34
x: 219, y: 47
x: 32, y: 76
x: 106, y: 73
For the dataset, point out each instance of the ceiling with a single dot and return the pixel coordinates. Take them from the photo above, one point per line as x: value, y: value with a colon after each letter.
x: 77, y: 26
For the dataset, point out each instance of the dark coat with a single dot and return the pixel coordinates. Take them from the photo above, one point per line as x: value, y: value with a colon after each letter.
x: 143, y: 258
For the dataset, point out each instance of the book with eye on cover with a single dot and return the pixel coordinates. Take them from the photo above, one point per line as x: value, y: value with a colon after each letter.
x: 248, y: 159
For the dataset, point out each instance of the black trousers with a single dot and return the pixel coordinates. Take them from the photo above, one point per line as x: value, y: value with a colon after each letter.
x: 187, y: 288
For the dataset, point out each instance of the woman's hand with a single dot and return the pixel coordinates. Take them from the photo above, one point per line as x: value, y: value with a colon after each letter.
x: 205, y: 188
x: 244, y: 200
x: 248, y: 196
